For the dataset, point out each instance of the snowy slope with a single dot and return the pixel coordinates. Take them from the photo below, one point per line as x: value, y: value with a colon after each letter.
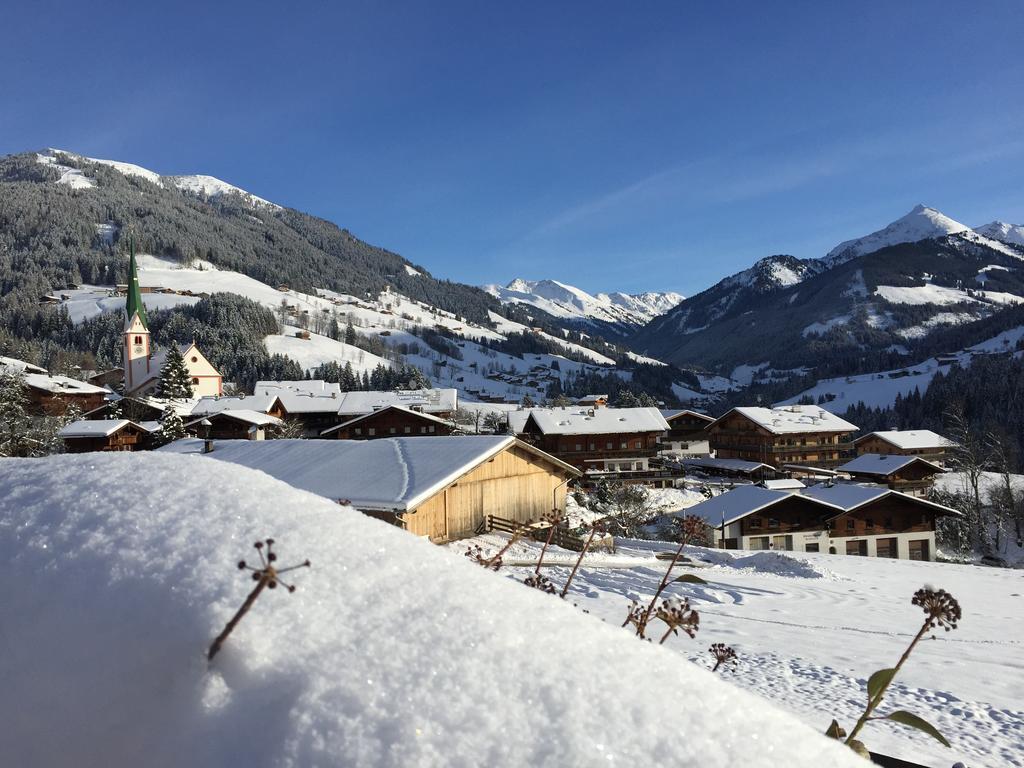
x: 567, y: 301
x: 205, y: 186
x: 809, y: 629
x: 1003, y: 232
x: 391, y: 652
x: 920, y: 224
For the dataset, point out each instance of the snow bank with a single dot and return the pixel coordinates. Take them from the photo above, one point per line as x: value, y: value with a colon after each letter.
x: 121, y: 568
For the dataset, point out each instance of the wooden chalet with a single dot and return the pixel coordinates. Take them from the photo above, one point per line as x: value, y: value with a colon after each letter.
x: 909, y: 474
x: 924, y: 443
x: 839, y: 518
x: 236, y: 424
x: 595, y: 439
x: 53, y: 395
x: 85, y: 436
x: 788, y: 434
x: 593, y: 401
x: 687, y: 434
x: 441, y: 488
x: 390, y: 421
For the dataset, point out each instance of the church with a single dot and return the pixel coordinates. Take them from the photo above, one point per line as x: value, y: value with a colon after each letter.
x: 142, y: 367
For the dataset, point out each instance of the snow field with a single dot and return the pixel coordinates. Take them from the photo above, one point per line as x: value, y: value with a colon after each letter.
x: 391, y: 652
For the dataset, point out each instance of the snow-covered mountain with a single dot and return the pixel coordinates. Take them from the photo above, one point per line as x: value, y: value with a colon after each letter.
x: 200, y: 185
x: 569, y: 302
x: 1005, y: 233
x: 921, y: 223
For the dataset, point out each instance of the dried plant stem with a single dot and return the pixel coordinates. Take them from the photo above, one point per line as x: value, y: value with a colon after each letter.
x: 642, y: 624
x: 544, y: 549
x: 877, y: 698
x: 579, y: 559
x: 665, y: 637
x: 496, y: 558
x: 268, y: 576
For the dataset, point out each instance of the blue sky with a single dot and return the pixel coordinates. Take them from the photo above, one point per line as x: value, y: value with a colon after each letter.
x: 617, y: 146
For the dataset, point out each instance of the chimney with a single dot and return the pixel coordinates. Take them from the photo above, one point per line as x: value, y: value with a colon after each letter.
x: 207, y: 445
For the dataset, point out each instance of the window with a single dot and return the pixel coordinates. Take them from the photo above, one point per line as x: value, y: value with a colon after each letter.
x: 392, y: 430
x: 755, y: 522
x: 623, y: 445
x: 579, y: 446
x: 408, y: 430
x: 812, y: 547
x: 423, y: 430
x: 195, y: 380
x: 887, y: 522
x: 371, y: 431
x: 359, y: 430
x: 138, y: 339
x: 195, y: 359
x: 639, y: 444
x: 609, y: 446
x: 850, y: 524
x: 430, y: 429
x: 591, y: 446
x: 773, y: 523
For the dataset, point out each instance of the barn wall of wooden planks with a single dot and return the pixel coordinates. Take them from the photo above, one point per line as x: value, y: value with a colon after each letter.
x: 515, y: 484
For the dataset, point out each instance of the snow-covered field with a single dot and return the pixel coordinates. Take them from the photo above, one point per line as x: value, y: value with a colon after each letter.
x: 120, y: 569
x: 809, y: 629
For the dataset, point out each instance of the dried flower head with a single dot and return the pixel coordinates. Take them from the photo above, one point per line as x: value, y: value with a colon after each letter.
x: 635, y: 616
x: 677, y: 614
x: 941, y: 607
x: 723, y: 654
x: 537, y: 581
x: 554, y: 517
x: 476, y: 554
x: 267, y: 572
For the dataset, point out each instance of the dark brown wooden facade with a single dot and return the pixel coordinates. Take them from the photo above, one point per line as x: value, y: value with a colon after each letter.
x: 43, y: 402
x: 390, y: 422
x: 872, y: 443
x: 587, y: 451
x: 735, y: 436
x: 688, y: 427
x: 916, y: 478
x: 129, y: 438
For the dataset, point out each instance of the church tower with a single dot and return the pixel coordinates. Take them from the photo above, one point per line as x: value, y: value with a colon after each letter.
x: 136, y: 332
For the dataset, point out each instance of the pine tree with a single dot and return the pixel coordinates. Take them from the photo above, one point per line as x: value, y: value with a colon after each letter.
x: 15, y: 422
x: 350, y: 333
x: 175, y: 383
x: 171, y: 427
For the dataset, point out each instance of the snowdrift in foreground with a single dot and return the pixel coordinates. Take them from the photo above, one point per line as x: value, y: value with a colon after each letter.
x: 120, y: 569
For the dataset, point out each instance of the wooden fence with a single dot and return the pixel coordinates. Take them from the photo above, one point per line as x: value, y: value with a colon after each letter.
x: 539, y: 532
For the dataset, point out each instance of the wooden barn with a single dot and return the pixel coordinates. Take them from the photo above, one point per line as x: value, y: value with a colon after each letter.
x: 441, y: 488
x: 923, y: 443
x: 687, y: 434
x: 236, y: 424
x: 107, y: 435
x: 390, y: 421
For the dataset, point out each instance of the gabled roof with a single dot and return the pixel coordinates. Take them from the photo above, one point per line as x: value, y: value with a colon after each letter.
x: 211, y: 404
x: 845, y: 496
x: 670, y: 416
x: 61, y: 385
x: 395, y: 473
x: 883, y: 465
x: 20, y: 365
x: 258, y: 418
x: 97, y: 428
x: 426, y: 400
x: 728, y: 465
x: 793, y: 419
x: 398, y: 408
x: 910, y: 439
x: 736, y: 504
x: 583, y: 421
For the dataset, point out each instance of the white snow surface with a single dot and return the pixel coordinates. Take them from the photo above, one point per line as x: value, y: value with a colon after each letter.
x: 920, y: 224
x: 563, y: 300
x: 391, y: 652
x: 931, y: 293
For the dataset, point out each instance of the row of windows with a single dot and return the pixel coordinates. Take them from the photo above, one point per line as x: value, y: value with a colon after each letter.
x: 372, y: 431
x: 608, y: 446
x: 851, y: 523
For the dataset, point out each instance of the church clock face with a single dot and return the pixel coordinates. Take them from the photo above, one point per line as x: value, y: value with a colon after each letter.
x: 137, y: 349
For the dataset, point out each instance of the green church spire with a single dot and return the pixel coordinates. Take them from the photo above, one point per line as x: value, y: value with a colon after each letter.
x: 134, y: 305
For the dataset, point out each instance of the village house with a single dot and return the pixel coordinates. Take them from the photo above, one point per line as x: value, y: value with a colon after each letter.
x: 929, y: 445
x: 593, y: 401
x: 85, y: 436
x: 594, y: 439
x: 910, y: 474
x: 835, y: 518
x: 390, y: 421
x: 53, y: 395
x: 235, y: 424
x: 441, y: 488
x: 787, y: 434
x: 737, y: 468
x: 687, y: 434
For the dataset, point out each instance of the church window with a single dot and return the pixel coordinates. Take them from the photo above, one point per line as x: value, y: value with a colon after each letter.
x: 195, y: 380
x: 195, y: 359
x: 138, y: 339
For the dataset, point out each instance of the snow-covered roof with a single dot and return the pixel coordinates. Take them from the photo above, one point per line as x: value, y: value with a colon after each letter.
x: 675, y: 414
x: 94, y: 428
x: 794, y: 419
x: 258, y: 418
x: 584, y: 421
x: 310, y: 387
x: 727, y: 465
x: 62, y: 385
x: 20, y: 365
x: 211, y: 404
x: 426, y: 400
x: 395, y: 473
x: 390, y: 652
x: 736, y: 504
x: 878, y: 464
x: 845, y: 496
x: 398, y: 408
x: 784, y: 484
x: 910, y: 439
